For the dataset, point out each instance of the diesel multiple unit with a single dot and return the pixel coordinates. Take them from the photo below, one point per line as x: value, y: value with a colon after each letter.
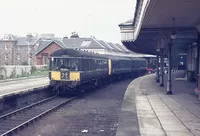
x: 75, y: 70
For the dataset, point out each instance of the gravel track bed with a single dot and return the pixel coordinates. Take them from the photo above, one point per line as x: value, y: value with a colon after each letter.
x: 95, y: 114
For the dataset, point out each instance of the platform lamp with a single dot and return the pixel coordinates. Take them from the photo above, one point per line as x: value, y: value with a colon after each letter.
x: 173, y: 37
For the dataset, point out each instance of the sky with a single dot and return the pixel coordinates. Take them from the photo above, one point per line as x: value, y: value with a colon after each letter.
x: 98, y: 18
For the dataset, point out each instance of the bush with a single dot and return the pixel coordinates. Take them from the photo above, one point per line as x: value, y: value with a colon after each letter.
x: 23, y: 73
x: 13, y: 73
x: 33, y: 69
x: 3, y: 73
x: 25, y: 63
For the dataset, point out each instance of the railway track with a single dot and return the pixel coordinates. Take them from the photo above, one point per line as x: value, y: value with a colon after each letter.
x: 12, y: 122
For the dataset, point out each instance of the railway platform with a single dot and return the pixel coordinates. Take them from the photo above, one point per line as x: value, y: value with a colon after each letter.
x: 148, y: 111
x: 9, y: 88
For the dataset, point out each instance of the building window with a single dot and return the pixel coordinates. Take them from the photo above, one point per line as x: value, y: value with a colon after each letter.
x: 18, y: 48
x: 18, y: 57
x: 6, y: 47
x: 6, y: 56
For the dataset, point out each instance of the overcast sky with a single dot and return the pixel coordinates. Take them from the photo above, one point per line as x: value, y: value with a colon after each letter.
x: 99, y: 18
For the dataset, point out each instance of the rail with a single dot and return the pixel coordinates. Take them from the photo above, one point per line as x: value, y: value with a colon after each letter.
x: 18, y: 119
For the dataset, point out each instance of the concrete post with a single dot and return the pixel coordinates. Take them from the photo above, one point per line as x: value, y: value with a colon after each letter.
x: 169, y: 80
x: 157, y: 68
x: 162, y: 67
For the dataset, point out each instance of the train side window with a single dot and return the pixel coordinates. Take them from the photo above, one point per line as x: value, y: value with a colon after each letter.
x: 100, y: 64
x: 89, y: 65
x: 86, y: 66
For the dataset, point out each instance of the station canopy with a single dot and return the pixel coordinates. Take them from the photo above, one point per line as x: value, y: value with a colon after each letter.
x: 155, y: 21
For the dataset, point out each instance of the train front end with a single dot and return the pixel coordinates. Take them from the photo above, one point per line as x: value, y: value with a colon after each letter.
x: 64, y: 75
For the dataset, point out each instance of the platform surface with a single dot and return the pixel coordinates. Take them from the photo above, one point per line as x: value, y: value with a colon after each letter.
x: 17, y: 86
x: 159, y: 114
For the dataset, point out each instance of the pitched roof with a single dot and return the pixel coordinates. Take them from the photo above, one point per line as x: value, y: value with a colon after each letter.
x: 44, y: 43
x: 83, y: 43
x: 116, y: 49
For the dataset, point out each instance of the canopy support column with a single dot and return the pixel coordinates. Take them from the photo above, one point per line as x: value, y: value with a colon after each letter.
x: 162, y: 67
x: 169, y: 80
x: 157, y: 68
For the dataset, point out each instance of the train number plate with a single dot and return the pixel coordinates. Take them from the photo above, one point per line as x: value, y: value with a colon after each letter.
x: 64, y: 75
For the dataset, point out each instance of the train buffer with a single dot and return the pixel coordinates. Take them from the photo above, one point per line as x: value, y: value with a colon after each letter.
x: 147, y: 110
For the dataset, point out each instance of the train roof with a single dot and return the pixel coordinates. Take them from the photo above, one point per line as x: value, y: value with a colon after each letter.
x: 75, y: 53
x: 80, y: 53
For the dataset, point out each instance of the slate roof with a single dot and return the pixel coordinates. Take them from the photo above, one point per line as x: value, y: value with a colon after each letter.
x: 24, y: 40
x: 83, y: 43
x: 116, y: 49
x: 108, y: 47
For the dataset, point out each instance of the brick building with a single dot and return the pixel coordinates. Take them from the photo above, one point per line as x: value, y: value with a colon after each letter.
x: 45, y: 48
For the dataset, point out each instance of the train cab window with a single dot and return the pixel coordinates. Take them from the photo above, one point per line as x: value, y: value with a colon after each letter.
x: 71, y: 64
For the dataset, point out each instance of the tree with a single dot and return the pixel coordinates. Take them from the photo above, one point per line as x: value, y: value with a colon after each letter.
x: 74, y: 35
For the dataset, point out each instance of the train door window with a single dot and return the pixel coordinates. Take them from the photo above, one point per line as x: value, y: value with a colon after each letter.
x: 93, y: 63
x: 87, y: 65
x: 104, y: 64
x: 100, y: 64
x: 97, y: 64
x: 89, y: 62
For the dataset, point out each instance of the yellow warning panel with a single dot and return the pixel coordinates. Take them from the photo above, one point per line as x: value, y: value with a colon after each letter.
x: 55, y: 75
x: 74, y: 76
